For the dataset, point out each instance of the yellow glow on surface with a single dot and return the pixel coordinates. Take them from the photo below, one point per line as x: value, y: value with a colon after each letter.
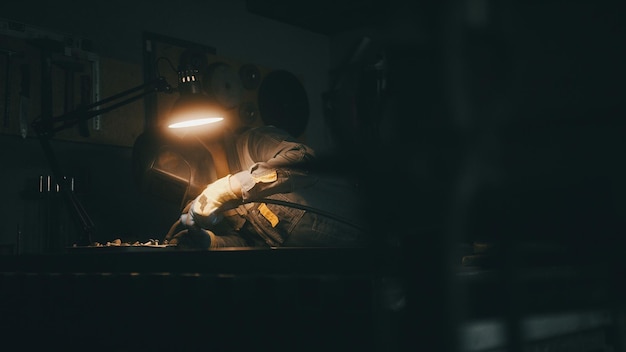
x: 196, y: 122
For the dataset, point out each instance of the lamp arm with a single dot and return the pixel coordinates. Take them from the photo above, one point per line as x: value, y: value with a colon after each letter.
x: 75, y: 117
x: 46, y: 126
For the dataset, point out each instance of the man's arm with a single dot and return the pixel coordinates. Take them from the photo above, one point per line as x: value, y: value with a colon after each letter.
x: 279, y: 164
x: 279, y: 156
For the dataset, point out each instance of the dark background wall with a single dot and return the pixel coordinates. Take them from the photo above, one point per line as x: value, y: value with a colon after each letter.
x: 502, y: 122
x: 489, y: 106
x: 115, y: 30
x: 272, y: 34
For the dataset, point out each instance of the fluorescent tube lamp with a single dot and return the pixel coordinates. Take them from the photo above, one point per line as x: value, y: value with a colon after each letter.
x: 193, y: 108
x: 195, y: 122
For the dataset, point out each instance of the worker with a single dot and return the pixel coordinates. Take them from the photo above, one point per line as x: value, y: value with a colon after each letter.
x: 276, y: 194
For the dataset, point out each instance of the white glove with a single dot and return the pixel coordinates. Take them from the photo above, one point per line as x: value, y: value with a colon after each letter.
x: 202, y: 209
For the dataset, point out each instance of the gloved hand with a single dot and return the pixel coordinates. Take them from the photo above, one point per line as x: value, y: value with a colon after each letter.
x: 202, y: 210
x: 192, y: 238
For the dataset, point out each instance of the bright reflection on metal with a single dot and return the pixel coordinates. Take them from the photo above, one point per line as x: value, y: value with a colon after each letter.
x: 196, y: 122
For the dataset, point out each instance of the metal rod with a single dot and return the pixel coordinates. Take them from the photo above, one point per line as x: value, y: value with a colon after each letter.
x: 77, y: 116
x: 155, y: 86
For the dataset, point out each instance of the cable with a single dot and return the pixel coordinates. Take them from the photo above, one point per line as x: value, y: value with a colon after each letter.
x: 170, y: 232
x: 168, y: 61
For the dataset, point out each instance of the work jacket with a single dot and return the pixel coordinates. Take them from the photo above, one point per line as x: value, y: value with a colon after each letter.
x: 288, y: 200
